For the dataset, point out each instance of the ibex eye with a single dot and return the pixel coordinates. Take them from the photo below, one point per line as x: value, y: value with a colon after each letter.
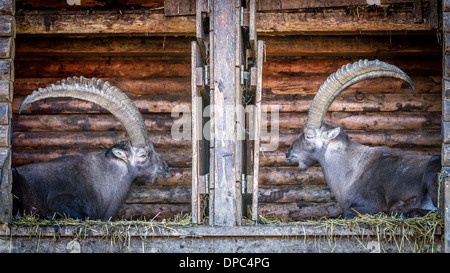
x: 143, y: 156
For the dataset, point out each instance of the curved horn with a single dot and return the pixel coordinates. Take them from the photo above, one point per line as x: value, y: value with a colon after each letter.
x: 345, y: 77
x: 103, y: 94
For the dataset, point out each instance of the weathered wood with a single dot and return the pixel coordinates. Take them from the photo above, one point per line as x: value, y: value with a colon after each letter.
x: 81, y: 4
x: 265, y: 5
x: 226, y: 197
x: 89, y: 140
x: 85, y: 122
x: 144, y: 22
x: 153, y: 85
x: 301, y: 210
x: 5, y: 185
x: 287, y: 103
x: 177, y: 8
x: 139, y: 22
x: 151, y: 211
x: 145, y: 193
x: 6, y: 91
x: 283, y: 85
x: 109, y: 67
x: 7, y: 25
x: 115, y: 46
x: 339, y: 46
x: 6, y: 70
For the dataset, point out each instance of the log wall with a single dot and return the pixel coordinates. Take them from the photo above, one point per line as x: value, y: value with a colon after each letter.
x: 152, y: 65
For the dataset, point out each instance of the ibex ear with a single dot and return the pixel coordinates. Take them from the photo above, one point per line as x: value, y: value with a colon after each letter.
x: 333, y: 133
x: 121, y: 154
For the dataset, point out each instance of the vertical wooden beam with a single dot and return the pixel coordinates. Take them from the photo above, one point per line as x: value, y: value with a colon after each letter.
x: 7, y: 12
x: 445, y: 177
x: 223, y: 83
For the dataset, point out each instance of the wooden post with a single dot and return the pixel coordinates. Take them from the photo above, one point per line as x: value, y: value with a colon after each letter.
x: 444, y: 204
x: 7, y: 35
x: 226, y: 69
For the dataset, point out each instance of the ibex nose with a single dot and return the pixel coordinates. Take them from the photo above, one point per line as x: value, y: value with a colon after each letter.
x: 288, y: 152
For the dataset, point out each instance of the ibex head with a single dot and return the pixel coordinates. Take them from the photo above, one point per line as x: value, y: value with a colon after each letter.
x: 316, y: 135
x: 137, y: 153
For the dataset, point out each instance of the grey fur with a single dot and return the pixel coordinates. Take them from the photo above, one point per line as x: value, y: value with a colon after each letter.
x: 94, y: 185
x: 367, y: 179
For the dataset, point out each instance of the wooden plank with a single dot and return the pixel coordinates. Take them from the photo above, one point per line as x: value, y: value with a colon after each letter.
x: 256, y: 145
x: 177, y: 8
x: 287, y: 103
x: 223, y: 81
x: 5, y: 186
x: 140, y: 22
x: 337, y: 21
x: 146, y: 193
x: 116, y: 46
x: 143, y: 22
x: 272, y: 5
x: 89, y: 4
x: 294, y: 45
x: 196, y: 61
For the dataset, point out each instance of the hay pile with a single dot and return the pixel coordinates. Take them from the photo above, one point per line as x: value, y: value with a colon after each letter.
x: 418, y: 234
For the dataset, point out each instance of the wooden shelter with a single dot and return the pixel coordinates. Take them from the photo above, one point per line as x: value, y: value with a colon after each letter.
x: 149, y: 49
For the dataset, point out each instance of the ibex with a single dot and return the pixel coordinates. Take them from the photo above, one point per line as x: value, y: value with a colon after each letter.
x: 364, y: 179
x: 94, y: 185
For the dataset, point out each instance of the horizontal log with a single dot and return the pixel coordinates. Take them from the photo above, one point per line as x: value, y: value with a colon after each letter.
x: 88, y: 140
x: 164, y: 122
x: 118, y: 4
x: 146, y: 104
x: 151, y: 211
x: 145, y: 22
x: 349, y: 45
x: 362, y: 120
x: 138, y: 67
x: 290, y: 84
x: 301, y: 211
x: 265, y: 5
x: 85, y: 122
x: 108, y: 67
x: 291, y: 211
x: 146, y: 86
x: 353, y: 103
x: 151, y: 194
x: 286, y: 103
x: 390, y: 138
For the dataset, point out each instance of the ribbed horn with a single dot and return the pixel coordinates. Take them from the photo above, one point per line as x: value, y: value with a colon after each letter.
x: 345, y: 77
x: 103, y: 94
